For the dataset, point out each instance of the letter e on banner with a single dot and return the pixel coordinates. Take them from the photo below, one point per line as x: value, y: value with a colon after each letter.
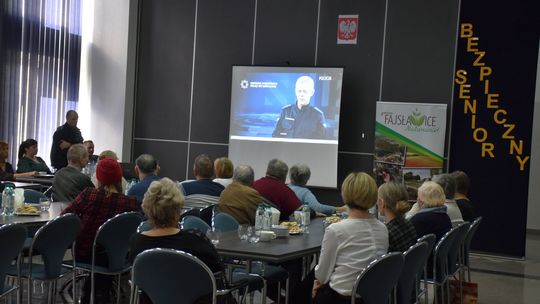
x: 347, y: 29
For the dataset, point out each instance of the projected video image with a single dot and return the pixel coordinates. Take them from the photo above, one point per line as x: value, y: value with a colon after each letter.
x: 285, y: 103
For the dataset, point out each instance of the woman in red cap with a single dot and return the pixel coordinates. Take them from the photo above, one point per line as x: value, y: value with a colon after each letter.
x: 95, y: 206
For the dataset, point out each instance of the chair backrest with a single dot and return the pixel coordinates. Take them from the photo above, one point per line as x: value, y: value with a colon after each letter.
x: 377, y: 280
x: 33, y: 196
x: 415, y: 259
x: 144, y: 226
x: 225, y: 222
x: 430, y: 239
x: 53, y: 239
x: 207, y: 214
x: 440, y: 255
x: 172, y: 276
x: 468, y: 239
x: 193, y: 222
x: 114, y: 236
x: 457, y: 245
x: 200, y: 201
x: 12, y: 238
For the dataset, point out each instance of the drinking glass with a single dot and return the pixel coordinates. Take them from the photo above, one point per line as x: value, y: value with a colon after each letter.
x: 214, y: 235
x: 253, y: 235
x: 44, y: 204
x: 243, y: 232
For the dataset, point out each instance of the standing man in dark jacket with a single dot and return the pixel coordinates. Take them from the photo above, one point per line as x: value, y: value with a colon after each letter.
x: 66, y: 135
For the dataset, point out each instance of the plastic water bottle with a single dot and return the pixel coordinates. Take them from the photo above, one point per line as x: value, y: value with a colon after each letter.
x: 267, y: 223
x: 259, y: 217
x: 8, y: 201
x: 306, y: 217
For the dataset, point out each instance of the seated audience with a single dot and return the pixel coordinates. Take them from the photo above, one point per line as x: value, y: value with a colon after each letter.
x: 393, y: 203
x: 147, y: 169
x: 6, y: 169
x: 162, y: 205
x: 203, y: 169
x: 239, y: 199
x: 351, y: 244
x: 109, y: 154
x: 465, y: 206
x: 432, y: 216
x: 299, y: 176
x: 273, y: 188
x: 448, y: 183
x: 28, y: 161
x: 223, y: 171
x: 90, y: 149
x: 95, y: 207
x: 69, y: 181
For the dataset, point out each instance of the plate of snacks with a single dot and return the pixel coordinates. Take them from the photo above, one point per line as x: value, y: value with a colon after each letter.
x: 294, y: 227
x: 28, y: 210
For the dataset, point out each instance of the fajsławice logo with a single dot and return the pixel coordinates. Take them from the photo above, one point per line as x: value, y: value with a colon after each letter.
x: 415, y: 122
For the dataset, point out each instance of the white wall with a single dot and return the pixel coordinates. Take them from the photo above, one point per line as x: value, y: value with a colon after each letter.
x: 533, y: 212
x: 102, y: 108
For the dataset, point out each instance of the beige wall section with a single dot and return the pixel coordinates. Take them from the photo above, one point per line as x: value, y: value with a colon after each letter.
x: 533, y: 212
x: 103, y: 75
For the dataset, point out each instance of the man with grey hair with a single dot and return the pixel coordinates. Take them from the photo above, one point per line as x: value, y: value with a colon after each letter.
x: 448, y: 183
x: 299, y: 176
x: 239, y: 199
x: 301, y: 119
x: 146, y: 169
x: 69, y: 181
x: 273, y: 188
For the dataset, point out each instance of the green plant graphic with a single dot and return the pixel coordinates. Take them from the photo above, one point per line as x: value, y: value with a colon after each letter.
x: 417, y: 118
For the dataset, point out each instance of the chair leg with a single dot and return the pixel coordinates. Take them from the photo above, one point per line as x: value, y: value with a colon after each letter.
x: 132, y: 294
x: 435, y: 295
x: 265, y: 289
x: 279, y: 292
x: 29, y: 295
x: 118, y: 290
x: 447, y: 291
x: 287, y: 291
x: 92, y: 287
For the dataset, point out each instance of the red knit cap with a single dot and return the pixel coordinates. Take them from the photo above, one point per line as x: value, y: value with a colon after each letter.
x: 108, y: 172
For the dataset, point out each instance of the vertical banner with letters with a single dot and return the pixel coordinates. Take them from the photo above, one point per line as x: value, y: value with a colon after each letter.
x: 409, y: 142
x: 495, y: 76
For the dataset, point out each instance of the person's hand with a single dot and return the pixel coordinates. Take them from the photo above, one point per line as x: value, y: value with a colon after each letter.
x: 318, y: 214
x: 34, y: 173
x: 316, y: 286
x: 341, y: 209
x: 64, y: 144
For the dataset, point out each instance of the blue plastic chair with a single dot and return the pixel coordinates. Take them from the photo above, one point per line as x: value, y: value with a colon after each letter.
x: 113, y: 236
x: 376, y: 281
x: 12, y: 238
x: 430, y: 240
x: 51, y: 241
x: 193, y: 222
x: 171, y: 276
x: 440, y: 263
x: 225, y: 222
x: 414, y: 261
x: 467, y: 245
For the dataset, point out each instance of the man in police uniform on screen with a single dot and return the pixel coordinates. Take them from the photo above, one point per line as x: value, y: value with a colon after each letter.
x: 301, y: 120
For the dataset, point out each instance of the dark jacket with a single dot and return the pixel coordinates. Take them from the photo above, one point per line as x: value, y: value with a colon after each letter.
x: 69, y: 134
x: 432, y: 220
x: 308, y: 122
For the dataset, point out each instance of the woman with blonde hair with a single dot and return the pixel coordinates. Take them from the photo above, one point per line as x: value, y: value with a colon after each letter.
x: 162, y: 205
x: 223, y: 171
x: 432, y: 216
x: 393, y: 204
x: 351, y: 244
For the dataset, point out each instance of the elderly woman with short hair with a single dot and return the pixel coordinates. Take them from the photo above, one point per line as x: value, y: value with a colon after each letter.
x: 162, y: 204
x: 432, y: 216
x: 299, y: 176
x: 351, y: 244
